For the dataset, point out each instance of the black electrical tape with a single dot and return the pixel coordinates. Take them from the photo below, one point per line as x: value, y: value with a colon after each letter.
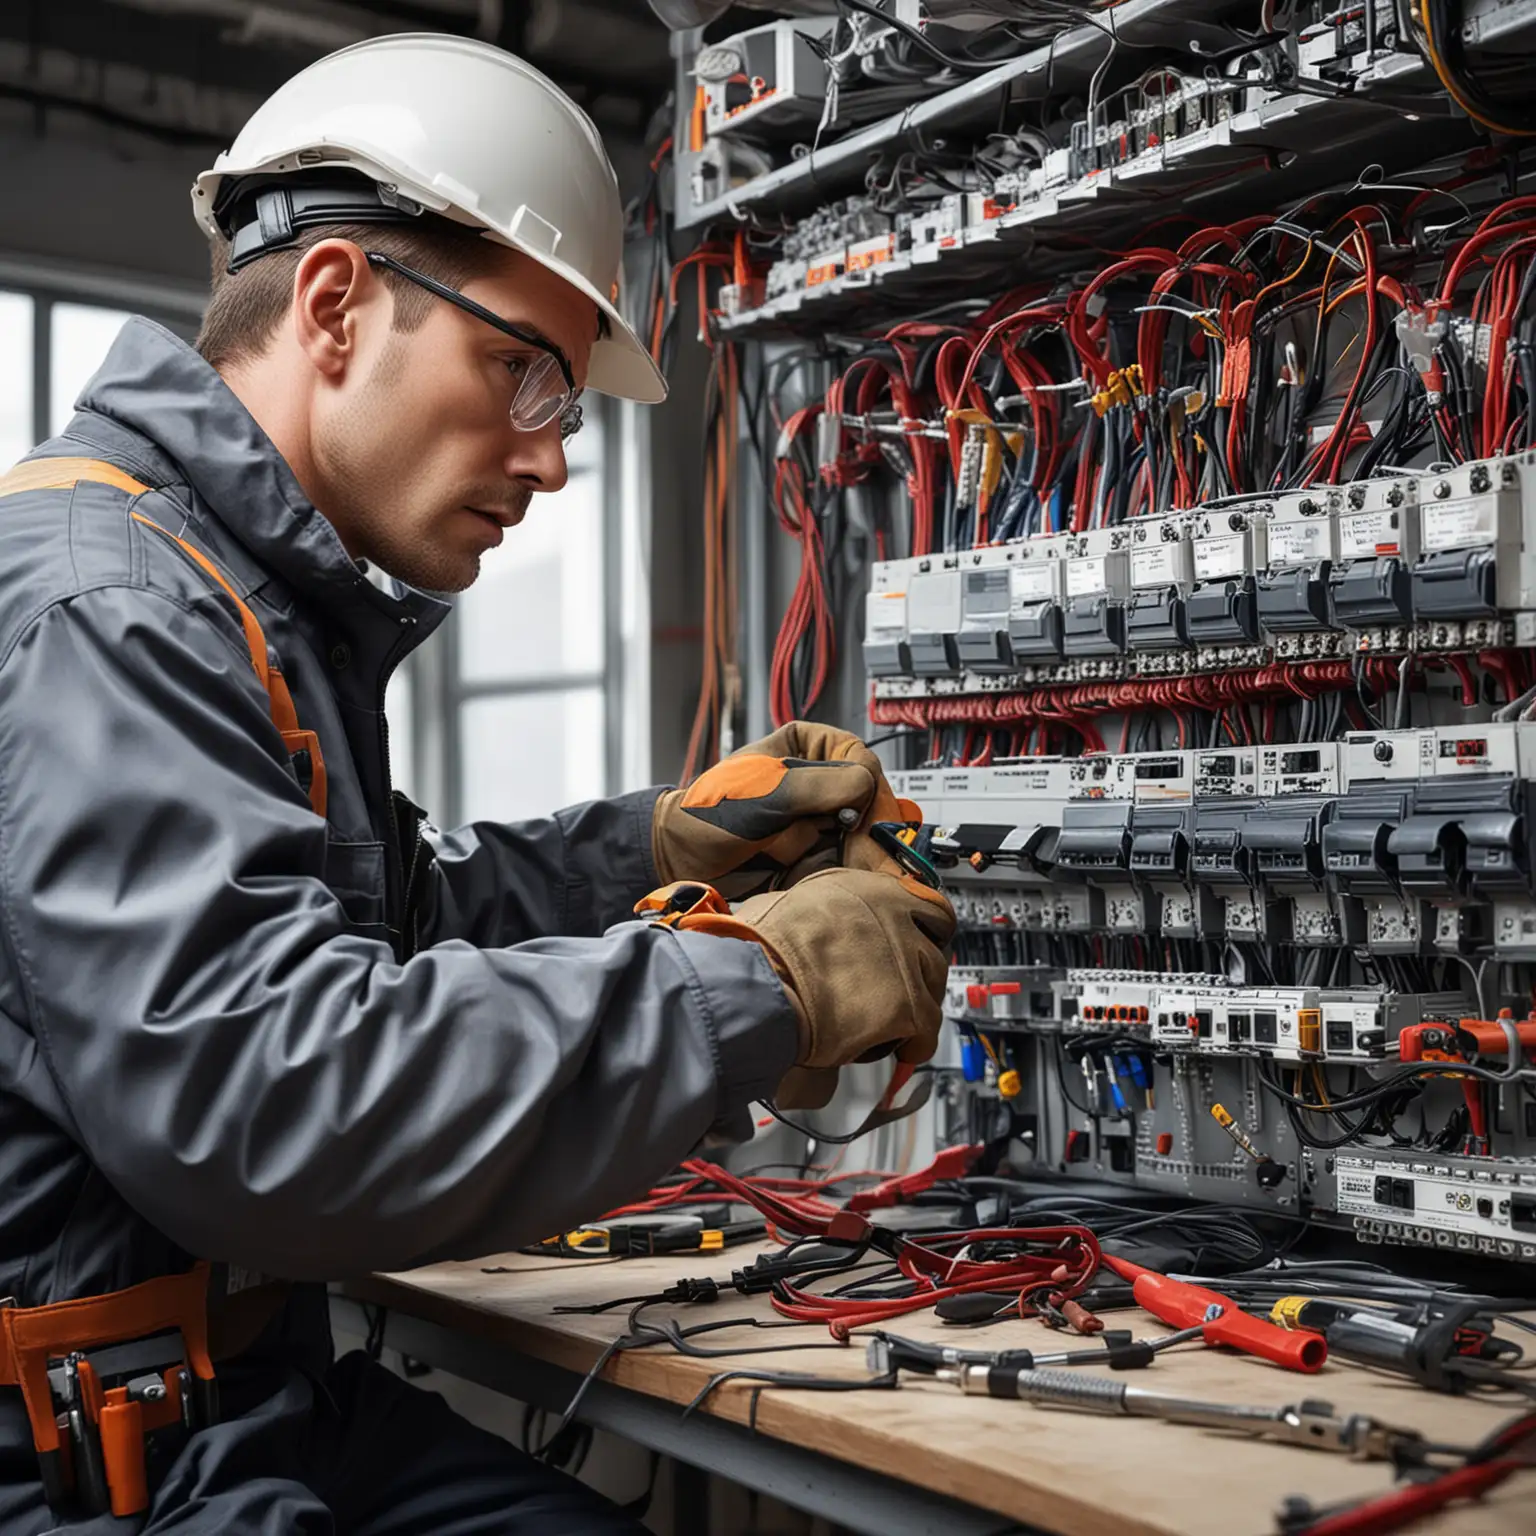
x: 974, y: 1306
x: 1131, y: 1357
x: 1003, y: 1381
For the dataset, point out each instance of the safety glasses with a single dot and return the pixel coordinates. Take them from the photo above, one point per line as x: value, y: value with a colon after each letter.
x: 546, y: 388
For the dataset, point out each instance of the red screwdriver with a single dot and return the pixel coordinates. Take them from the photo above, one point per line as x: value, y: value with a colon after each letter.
x: 1220, y: 1319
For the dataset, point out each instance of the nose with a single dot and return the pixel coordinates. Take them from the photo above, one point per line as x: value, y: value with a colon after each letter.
x: 538, y: 458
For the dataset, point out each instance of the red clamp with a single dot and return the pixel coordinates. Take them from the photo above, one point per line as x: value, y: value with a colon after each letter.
x: 951, y: 1163
x: 1183, y: 1305
x: 1429, y: 1042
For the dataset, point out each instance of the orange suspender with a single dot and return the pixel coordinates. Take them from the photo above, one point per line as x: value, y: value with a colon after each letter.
x: 59, y: 474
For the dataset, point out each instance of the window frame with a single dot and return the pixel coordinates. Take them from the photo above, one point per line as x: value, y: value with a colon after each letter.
x: 176, y: 306
x: 439, y: 691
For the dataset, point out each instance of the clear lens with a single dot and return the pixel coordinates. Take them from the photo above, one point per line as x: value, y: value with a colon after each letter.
x: 541, y: 396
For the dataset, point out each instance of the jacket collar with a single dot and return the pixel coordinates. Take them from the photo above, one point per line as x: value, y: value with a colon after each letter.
x: 158, y: 387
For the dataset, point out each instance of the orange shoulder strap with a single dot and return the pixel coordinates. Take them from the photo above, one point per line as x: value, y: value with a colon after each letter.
x: 58, y: 474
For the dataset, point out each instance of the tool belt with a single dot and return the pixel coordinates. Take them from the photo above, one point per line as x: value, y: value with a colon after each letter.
x: 99, y: 1374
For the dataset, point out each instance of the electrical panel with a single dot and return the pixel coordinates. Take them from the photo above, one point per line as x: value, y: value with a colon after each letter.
x: 1153, y: 423
x: 1307, y: 576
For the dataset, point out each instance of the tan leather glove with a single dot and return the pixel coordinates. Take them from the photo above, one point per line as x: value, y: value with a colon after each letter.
x: 865, y: 957
x: 773, y: 811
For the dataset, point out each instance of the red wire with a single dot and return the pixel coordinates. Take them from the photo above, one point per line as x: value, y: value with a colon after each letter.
x: 1061, y: 1264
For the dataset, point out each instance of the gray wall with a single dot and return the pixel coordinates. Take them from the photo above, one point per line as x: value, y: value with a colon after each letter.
x: 83, y: 198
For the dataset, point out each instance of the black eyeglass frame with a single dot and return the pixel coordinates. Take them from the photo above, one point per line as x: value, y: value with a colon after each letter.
x: 569, y: 415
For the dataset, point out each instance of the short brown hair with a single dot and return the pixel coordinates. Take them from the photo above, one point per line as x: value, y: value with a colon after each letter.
x: 246, y: 307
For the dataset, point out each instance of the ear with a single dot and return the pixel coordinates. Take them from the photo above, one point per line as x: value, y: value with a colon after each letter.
x: 333, y: 288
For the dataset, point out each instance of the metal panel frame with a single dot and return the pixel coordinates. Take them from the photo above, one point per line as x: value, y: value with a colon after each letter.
x: 1070, y: 57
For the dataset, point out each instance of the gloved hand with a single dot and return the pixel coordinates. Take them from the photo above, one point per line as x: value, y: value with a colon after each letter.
x: 797, y: 800
x: 865, y: 957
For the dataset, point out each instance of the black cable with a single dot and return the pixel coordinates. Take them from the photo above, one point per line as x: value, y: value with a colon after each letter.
x: 800, y: 1380
x: 1385, y: 1085
x: 917, y: 38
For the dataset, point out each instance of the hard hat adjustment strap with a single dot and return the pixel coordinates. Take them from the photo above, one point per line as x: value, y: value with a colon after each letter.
x: 260, y: 215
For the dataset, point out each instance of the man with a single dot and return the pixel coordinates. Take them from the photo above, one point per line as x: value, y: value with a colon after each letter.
x: 248, y: 1017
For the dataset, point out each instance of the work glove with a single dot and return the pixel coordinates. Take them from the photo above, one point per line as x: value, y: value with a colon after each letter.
x: 865, y: 957
x: 862, y: 954
x: 800, y: 799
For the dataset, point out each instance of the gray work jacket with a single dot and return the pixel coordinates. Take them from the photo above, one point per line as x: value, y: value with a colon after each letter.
x: 215, y: 1039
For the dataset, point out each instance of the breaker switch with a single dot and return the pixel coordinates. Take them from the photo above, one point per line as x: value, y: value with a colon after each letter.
x: 1309, y: 1029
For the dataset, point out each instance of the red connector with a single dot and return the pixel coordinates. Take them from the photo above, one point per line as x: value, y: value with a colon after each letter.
x: 1184, y: 1306
x: 951, y: 1163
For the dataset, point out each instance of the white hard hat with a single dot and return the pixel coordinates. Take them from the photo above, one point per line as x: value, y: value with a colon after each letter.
x: 458, y: 128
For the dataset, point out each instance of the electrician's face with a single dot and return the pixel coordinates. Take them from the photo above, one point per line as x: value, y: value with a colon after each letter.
x: 425, y: 472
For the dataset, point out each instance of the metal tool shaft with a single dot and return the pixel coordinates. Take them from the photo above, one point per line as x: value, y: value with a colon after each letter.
x: 1307, y: 1423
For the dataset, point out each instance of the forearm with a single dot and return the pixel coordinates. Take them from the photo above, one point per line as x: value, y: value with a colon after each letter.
x: 575, y: 873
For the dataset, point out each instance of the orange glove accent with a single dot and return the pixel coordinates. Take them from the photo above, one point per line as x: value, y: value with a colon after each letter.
x: 773, y: 811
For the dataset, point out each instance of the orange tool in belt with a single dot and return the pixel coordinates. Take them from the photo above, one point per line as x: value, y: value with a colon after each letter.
x: 99, y: 1374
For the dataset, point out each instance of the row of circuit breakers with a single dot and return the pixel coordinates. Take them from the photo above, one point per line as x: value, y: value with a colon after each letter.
x: 771, y: 81
x: 1410, y: 842
x: 1415, y: 842
x: 1155, y: 1079
x: 1426, y: 561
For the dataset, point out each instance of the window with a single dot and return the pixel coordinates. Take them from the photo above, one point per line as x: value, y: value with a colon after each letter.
x: 79, y: 338
x: 527, y: 722
x: 16, y: 435
x: 507, y: 712
x: 527, y: 754
x: 51, y: 344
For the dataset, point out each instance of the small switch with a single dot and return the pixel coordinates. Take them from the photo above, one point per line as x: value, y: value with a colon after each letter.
x: 1164, y: 1143
x: 1309, y: 1029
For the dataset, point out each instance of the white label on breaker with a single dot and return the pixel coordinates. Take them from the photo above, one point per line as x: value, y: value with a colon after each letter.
x: 1372, y: 533
x: 1034, y: 583
x: 1016, y: 781
x: 1155, y: 567
x: 886, y: 613
x: 1215, y: 558
x: 1459, y: 524
x: 1293, y: 543
x: 1085, y: 578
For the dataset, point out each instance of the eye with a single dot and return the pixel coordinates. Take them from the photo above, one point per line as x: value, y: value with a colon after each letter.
x: 518, y: 367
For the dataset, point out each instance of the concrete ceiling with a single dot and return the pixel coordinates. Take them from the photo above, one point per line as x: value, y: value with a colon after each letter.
x: 189, y: 72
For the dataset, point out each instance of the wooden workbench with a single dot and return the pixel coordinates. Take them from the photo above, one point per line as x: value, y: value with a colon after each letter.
x: 1043, y: 1470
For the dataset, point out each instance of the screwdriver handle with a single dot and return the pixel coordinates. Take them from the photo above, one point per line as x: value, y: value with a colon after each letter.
x: 1067, y: 1388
